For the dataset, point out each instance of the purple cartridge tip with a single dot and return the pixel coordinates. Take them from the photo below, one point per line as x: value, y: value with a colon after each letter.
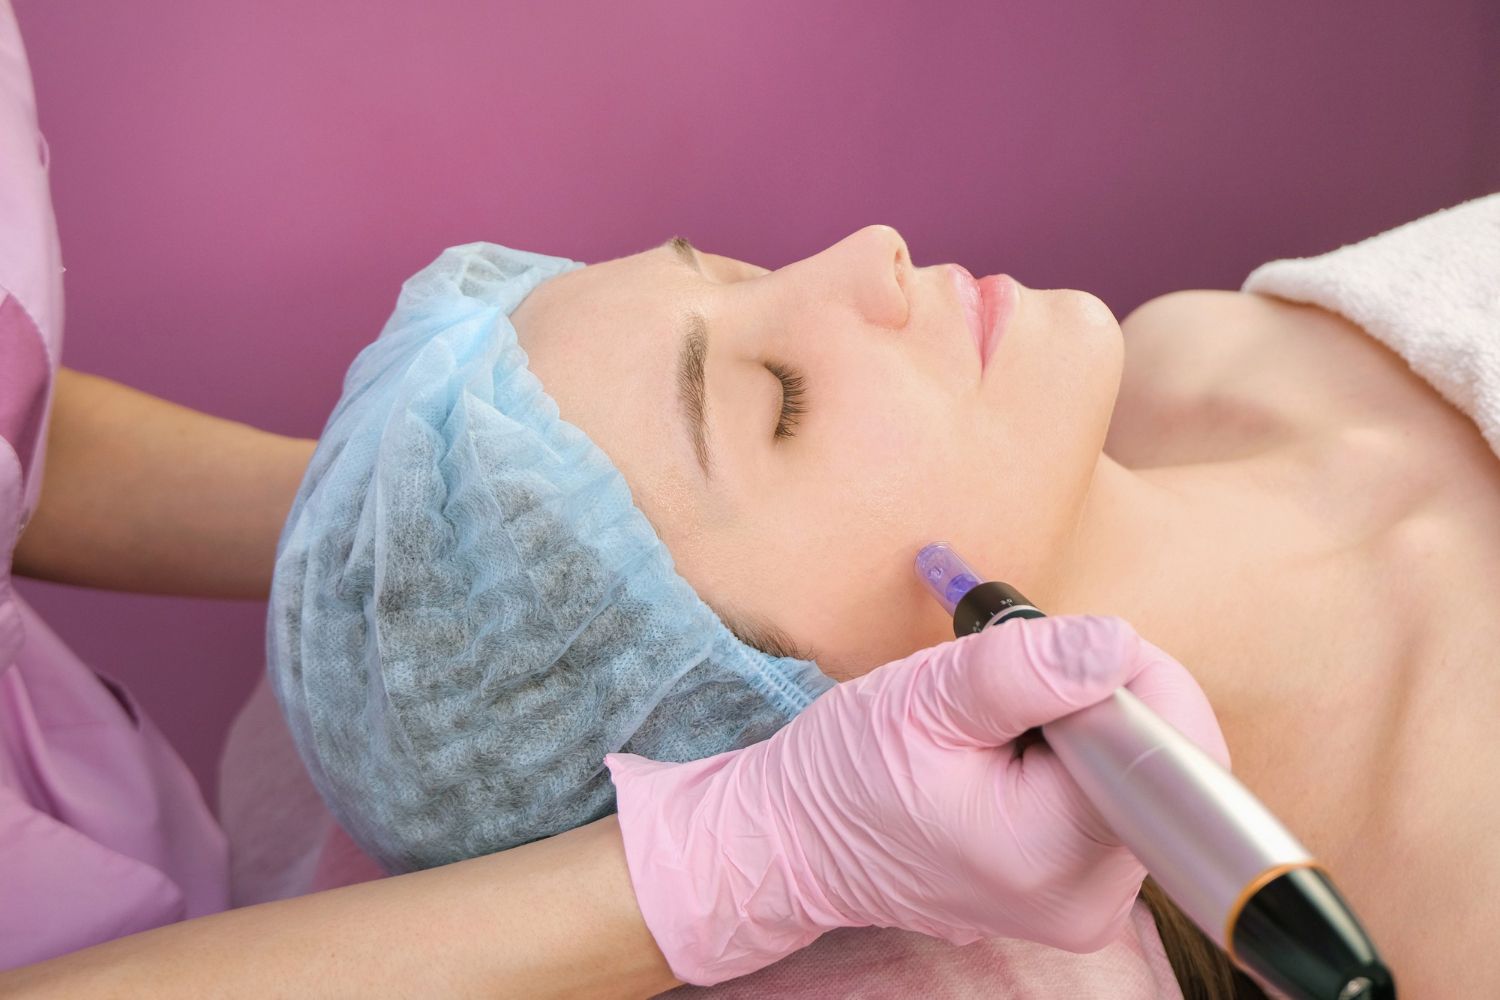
x: 945, y: 574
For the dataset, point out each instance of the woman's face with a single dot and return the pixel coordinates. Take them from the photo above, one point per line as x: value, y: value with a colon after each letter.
x: 846, y: 423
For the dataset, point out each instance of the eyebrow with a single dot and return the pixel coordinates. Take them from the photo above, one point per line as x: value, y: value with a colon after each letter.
x: 685, y: 252
x: 692, y: 367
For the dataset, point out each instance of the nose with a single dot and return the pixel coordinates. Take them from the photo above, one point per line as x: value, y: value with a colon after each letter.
x: 874, y: 266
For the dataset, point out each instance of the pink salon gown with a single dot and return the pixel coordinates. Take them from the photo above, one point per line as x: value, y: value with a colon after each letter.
x: 103, y: 831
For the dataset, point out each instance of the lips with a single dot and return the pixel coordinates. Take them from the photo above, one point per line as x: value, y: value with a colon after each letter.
x: 999, y: 293
x: 987, y: 303
x: 972, y: 302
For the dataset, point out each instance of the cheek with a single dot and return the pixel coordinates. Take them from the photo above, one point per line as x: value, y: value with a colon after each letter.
x: 879, y: 451
x: 873, y: 477
x: 839, y: 536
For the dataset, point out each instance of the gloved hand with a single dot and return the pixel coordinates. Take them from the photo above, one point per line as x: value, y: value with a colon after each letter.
x: 899, y: 799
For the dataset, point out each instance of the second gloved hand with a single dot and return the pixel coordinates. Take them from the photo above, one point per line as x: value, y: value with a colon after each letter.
x: 899, y: 799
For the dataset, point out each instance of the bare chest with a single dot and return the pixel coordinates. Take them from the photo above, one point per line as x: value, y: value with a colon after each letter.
x: 1376, y: 742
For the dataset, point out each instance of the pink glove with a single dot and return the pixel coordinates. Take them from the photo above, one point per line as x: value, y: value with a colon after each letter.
x: 898, y: 800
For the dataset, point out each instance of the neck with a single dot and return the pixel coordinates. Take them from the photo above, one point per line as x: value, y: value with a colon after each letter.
x: 1190, y: 556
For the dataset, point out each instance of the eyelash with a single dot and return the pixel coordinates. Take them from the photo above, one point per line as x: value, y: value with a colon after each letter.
x: 793, y: 389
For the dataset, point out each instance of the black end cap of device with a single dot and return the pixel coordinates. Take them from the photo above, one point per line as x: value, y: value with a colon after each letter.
x: 1299, y: 935
x: 981, y: 604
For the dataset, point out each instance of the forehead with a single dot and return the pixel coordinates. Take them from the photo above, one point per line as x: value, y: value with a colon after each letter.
x: 617, y: 308
x: 603, y: 342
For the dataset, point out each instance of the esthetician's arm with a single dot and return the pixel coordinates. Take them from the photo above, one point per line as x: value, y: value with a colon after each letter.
x: 556, y: 918
x: 144, y: 495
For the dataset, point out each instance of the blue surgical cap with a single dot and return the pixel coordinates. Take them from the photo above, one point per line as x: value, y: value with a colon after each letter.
x: 468, y: 611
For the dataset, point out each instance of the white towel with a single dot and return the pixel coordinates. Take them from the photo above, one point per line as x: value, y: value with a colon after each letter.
x: 1429, y: 290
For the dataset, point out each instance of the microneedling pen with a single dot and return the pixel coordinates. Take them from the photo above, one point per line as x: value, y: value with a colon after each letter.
x: 1211, y: 845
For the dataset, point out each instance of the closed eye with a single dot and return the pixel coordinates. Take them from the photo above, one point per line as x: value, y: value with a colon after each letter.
x: 793, y: 389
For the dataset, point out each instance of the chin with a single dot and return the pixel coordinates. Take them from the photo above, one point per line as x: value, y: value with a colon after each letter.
x: 1104, y: 343
x: 1090, y: 312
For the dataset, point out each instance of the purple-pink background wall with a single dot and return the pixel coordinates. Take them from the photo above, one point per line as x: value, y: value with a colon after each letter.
x: 241, y: 187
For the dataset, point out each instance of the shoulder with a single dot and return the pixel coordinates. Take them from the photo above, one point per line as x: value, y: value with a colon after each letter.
x: 1186, y: 343
x: 1215, y: 317
x: 1200, y: 337
x: 1185, y: 339
x: 1174, y: 305
x: 1218, y: 373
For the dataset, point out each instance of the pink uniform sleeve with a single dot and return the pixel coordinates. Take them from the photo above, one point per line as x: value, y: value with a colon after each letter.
x: 103, y: 831
x: 31, y: 290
